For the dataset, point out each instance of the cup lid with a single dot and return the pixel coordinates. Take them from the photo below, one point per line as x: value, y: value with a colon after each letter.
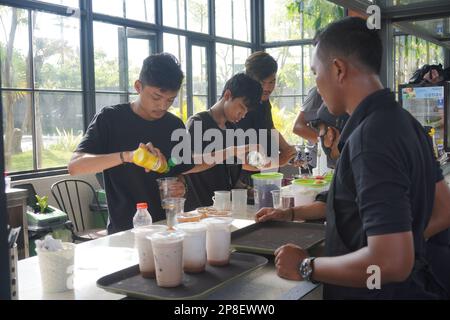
x: 191, y: 227
x: 149, y: 229
x: 268, y: 176
x: 311, y: 183
x: 167, y: 236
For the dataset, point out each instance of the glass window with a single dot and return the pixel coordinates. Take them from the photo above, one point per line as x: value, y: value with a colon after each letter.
x: 69, y: 3
x: 294, y: 20
x: 14, y: 48
x: 56, y: 50
x: 142, y: 10
x: 140, y: 45
x: 59, y: 127
x: 199, y: 79
x: 411, y: 53
x: 176, y: 45
x: 229, y: 61
x: 287, y: 96
x: 186, y: 14
x: 238, y: 13
x: 109, y: 69
x: 17, y: 131
x: 109, y: 99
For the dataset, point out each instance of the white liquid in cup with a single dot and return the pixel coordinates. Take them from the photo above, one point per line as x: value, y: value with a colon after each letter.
x: 144, y: 246
x: 168, y: 252
x: 218, y: 239
x: 194, y: 246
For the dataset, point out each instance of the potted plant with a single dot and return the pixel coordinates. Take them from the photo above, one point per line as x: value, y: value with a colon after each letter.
x: 42, y: 205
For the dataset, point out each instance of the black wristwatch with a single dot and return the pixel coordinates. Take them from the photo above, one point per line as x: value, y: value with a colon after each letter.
x: 306, y: 269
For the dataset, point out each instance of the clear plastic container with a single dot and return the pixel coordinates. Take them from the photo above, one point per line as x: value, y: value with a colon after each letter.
x: 218, y: 239
x: 142, y: 217
x: 194, y: 246
x: 167, y: 249
x: 263, y: 184
x: 306, y: 190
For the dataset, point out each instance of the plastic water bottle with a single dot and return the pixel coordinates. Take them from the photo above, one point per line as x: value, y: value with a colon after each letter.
x: 142, y: 217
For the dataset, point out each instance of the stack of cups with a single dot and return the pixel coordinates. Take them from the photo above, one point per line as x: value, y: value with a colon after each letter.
x: 218, y: 239
x: 168, y: 253
x: 56, y: 268
x: 144, y: 245
x: 194, y: 246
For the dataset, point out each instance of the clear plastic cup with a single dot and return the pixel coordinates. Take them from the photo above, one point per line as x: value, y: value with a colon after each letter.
x: 173, y: 207
x: 144, y: 246
x: 276, y: 196
x: 56, y: 268
x: 239, y: 200
x: 189, y: 217
x: 164, y: 185
x: 194, y: 246
x: 218, y: 239
x: 168, y: 252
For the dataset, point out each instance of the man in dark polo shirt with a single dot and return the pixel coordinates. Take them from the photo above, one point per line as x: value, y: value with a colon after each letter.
x: 381, y: 205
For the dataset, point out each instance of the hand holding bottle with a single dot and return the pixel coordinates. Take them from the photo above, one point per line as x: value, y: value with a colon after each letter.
x: 151, y: 158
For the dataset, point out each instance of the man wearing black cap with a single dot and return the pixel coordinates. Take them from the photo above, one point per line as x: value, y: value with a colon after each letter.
x: 329, y: 129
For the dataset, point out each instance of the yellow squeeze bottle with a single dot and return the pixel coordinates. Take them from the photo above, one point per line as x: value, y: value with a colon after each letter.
x: 144, y: 158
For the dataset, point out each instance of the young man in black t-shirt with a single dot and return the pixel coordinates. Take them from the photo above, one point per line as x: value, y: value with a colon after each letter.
x: 116, y: 131
x: 263, y: 68
x: 240, y: 94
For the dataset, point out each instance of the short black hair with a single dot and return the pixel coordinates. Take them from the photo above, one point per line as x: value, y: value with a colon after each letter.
x: 163, y: 71
x: 260, y: 65
x: 351, y: 38
x: 241, y: 85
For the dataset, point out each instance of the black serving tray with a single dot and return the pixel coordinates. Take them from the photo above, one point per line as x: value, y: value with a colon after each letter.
x: 266, y: 237
x: 194, y: 286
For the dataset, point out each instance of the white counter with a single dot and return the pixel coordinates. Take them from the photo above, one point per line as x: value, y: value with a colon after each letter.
x: 97, y: 258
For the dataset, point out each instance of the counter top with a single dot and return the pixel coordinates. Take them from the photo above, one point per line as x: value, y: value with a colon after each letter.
x: 97, y: 258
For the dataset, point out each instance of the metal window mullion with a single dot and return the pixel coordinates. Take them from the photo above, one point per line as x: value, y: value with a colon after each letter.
x: 212, y: 17
x: 185, y: 14
x: 212, y: 81
x: 189, y: 77
x: 87, y: 62
x: 32, y: 86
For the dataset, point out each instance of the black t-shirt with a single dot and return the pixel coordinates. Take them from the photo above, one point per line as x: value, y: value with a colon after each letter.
x: 259, y: 118
x: 384, y: 183
x: 201, y: 186
x: 118, y: 128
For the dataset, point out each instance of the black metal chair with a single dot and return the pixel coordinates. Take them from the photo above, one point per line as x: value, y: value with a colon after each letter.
x: 67, y: 195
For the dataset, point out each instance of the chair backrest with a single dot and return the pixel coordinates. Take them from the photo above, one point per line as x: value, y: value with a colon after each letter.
x: 68, y: 195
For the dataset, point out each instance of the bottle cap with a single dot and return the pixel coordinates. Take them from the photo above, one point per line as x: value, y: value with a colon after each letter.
x: 141, y: 205
x: 172, y: 162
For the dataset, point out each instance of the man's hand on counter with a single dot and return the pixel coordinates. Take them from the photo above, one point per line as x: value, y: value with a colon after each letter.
x: 287, y: 261
x: 265, y: 214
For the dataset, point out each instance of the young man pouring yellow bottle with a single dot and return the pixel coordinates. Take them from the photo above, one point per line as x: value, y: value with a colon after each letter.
x: 115, y: 134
